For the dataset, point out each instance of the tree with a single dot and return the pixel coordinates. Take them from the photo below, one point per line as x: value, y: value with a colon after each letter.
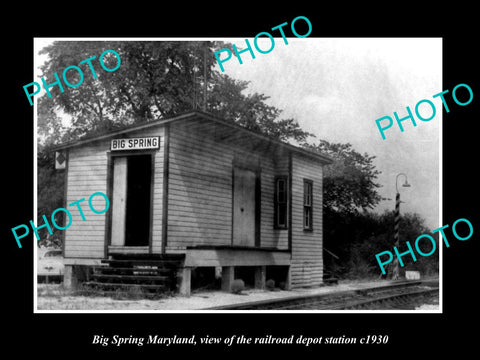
x: 351, y: 230
x: 49, y: 195
x: 156, y: 79
x: 226, y: 100
x: 356, y: 237
x: 349, y: 183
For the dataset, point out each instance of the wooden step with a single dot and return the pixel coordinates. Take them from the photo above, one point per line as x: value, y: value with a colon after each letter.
x: 102, y: 285
x: 148, y: 257
x: 125, y: 294
x: 164, y: 264
x: 130, y: 270
x: 127, y: 272
x: 131, y: 278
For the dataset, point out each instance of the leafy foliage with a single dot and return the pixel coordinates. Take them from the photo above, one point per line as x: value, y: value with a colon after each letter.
x: 238, y: 285
x: 357, y: 237
x: 227, y: 101
x: 50, y: 184
x: 349, y: 183
x: 156, y: 79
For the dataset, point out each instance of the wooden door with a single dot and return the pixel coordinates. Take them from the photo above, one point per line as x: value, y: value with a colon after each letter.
x: 244, y: 207
x: 119, y: 200
x: 131, y: 197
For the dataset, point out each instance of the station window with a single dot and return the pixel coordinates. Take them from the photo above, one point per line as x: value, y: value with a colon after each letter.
x: 307, y: 204
x: 281, y: 202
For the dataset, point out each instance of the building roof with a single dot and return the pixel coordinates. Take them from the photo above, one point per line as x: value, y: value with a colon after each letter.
x: 195, y: 115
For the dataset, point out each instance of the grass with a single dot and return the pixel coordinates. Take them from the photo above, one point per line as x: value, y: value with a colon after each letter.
x: 56, y: 297
x: 52, y: 290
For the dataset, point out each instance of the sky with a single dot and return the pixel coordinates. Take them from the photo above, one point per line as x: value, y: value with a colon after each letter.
x: 337, y: 87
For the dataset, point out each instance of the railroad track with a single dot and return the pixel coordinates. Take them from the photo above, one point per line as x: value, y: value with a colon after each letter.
x: 391, y: 296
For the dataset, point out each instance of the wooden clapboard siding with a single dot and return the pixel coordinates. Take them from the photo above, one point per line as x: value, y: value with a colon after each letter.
x: 157, y: 191
x: 268, y: 237
x: 235, y: 257
x: 281, y: 164
x: 200, y: 189
x: 307, y: 259
x: 87, y: 174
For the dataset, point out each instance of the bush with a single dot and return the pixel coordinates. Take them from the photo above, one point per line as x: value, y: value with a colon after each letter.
x: 270, y: 284
x: 359, y: 265
x: 238, y: 286
x: 356, y: 238
x: 360, y: 270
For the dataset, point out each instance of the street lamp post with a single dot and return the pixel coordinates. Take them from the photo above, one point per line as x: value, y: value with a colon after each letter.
x: 396, y: 268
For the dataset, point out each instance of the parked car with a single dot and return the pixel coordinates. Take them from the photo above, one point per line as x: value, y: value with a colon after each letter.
x: 50, y: 264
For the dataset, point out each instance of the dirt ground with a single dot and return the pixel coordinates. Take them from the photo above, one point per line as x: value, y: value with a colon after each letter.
x: 51, y: 297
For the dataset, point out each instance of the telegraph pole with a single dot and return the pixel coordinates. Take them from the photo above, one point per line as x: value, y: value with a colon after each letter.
x: 395, y: 267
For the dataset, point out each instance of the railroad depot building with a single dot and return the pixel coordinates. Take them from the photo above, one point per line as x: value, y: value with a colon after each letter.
x: 193, y: 194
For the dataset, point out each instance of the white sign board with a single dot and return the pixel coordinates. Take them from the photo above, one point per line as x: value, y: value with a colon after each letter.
x: 144, y: 143
x: 412, y: 275
x: 60, y: 160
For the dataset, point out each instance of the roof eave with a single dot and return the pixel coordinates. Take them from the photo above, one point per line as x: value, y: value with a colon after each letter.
x: 127, y: 129
x: 320, y: 157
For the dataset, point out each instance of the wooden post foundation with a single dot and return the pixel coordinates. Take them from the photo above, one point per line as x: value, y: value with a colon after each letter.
x: 228, y: 273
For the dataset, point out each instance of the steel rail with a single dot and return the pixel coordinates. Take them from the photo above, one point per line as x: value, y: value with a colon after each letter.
x: 340, y: 299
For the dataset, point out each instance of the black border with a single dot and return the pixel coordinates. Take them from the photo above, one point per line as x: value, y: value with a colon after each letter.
x: 411, y: 335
